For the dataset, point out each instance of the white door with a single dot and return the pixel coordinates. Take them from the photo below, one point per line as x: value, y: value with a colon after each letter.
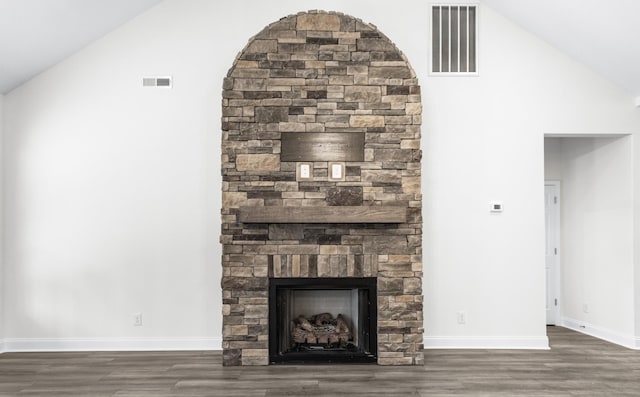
x: 552, y: 233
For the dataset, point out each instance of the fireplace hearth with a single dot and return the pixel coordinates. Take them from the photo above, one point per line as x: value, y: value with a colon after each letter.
x: 322, y: 320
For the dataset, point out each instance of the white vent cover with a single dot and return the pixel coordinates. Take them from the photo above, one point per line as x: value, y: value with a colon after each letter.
x: 157, y: 81
x: 453, y: 39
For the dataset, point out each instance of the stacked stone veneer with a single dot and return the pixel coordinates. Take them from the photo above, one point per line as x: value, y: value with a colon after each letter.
x: 321, y: 72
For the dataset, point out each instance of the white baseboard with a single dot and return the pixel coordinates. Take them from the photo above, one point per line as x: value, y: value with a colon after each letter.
x: 630, y: 341
x: 109, y: 344
x: 486, y: 342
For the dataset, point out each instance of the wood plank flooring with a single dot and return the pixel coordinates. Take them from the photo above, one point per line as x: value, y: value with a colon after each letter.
x: 577, y: 365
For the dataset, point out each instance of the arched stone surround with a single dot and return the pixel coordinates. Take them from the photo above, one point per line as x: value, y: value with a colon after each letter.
x: 321, y: 72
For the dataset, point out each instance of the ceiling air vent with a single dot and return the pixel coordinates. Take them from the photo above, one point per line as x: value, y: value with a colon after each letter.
x: 163, y: 81
x: 454, y: 39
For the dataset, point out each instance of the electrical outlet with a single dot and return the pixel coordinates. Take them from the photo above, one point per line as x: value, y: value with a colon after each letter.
x: 462, y: 317
x: 137, y: 319
x: 337, y: 171
x: 585, y: 308
x: 304, y: 171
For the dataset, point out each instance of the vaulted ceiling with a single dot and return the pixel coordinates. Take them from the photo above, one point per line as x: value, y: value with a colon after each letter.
x: 604, y: 35
x: 37, y: 34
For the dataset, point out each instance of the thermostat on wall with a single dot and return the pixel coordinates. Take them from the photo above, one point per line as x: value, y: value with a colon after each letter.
x: 496, y: 206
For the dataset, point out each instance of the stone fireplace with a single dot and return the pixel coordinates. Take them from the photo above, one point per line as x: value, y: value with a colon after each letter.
x: 321, y: 169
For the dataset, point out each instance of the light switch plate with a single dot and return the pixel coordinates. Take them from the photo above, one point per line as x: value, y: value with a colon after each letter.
x: 304, y: 172
x: 337, y: 171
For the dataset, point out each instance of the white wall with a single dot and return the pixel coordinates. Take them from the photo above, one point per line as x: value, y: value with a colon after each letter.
x: 636, y: 238
x: 484, y: 141
x: 1, y: 230
x: 113, y: 191
x: 552, y: 159
x: 597, y: 233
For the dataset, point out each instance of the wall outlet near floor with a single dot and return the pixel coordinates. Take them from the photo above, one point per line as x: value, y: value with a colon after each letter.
x: 585, y: 307
x: 137, y: 319
x: 462, y: 317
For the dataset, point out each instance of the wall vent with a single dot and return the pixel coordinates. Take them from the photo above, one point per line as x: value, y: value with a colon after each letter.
x: 454, y: 39
x: 157, y: 81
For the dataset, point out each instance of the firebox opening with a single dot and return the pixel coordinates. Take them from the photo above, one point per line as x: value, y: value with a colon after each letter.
x: 322, y: 320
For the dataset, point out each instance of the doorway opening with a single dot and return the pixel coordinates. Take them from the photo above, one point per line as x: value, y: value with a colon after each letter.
x: 591, y: 230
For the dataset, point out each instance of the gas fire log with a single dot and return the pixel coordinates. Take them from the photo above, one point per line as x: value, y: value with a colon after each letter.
x: 322, y: 319
x: 341, y: 325
x: 304, y: 323
x: 321, y: 328
x: 300, y: 335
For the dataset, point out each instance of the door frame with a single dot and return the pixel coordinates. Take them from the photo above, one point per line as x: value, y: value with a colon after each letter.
x: 555, y: 271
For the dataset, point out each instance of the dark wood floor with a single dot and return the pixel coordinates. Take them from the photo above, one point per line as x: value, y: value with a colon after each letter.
x: 577, y: 365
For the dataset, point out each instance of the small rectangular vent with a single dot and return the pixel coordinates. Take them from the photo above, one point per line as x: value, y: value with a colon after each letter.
x: 164, y: 81
x: 453, y: 39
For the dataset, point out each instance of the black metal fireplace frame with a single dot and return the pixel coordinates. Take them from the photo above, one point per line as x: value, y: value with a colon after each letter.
x: 324, y: 357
